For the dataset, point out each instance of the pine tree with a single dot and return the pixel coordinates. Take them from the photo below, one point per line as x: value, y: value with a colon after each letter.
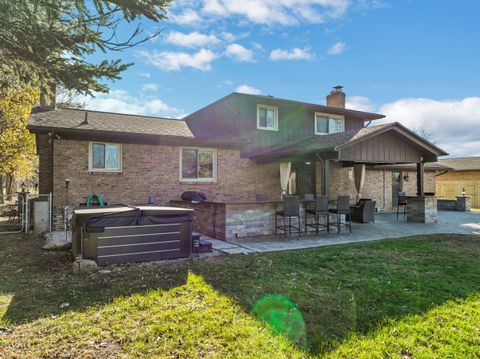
x: 50, y: 40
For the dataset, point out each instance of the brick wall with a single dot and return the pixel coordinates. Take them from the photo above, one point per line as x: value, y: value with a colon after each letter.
x: 153, y: 170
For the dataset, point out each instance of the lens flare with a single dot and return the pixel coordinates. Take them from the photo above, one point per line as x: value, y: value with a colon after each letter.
x: 284, y: 318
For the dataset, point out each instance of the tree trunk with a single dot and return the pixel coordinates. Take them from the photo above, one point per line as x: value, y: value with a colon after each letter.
x: 2, y: 199
x: 9, y: 186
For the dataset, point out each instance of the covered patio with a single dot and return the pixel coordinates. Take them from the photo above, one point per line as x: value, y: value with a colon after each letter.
x: 360, y: 150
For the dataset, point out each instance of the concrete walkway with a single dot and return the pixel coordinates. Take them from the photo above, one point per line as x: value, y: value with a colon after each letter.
x: 386, y: 226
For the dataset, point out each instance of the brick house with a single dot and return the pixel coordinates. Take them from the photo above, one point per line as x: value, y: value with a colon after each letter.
x: 232, y: 150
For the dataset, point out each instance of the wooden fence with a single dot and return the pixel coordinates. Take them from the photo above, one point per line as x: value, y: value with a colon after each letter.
x: 451, y: 189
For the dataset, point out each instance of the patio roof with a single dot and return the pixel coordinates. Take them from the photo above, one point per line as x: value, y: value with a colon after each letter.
x: 382, y: 144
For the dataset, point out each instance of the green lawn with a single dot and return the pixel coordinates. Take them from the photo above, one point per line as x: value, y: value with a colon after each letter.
x: 409, y: 297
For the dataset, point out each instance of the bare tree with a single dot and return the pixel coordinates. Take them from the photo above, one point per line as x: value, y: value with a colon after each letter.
x: 425, y: 133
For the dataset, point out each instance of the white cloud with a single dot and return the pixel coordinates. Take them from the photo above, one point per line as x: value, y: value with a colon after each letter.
x: 174, y: 61
x: 189, y: 17
x: 230, y: 37
x: 121, y: 102
x: 239, y: 53
x: 149, y: 87
x: 226, y: 83
x: 337, y: 48
x: 248, y: 89
x: 295, y: 54
x: 193, y: 39
x: 283, y: 12
x: 359, y: 103
x: 144, y: 74
x: 454, y: 124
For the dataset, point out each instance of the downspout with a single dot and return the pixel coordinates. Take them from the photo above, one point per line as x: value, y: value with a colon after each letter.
x: 52, y: 137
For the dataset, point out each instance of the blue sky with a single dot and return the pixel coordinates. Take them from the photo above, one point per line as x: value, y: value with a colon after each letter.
x: 415, y: 61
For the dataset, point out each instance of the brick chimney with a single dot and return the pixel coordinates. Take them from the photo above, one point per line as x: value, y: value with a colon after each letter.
x: 336, y: 97
x: 48, y: 98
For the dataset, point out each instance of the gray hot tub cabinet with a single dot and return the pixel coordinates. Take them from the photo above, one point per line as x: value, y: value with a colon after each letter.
x: 131, y: 234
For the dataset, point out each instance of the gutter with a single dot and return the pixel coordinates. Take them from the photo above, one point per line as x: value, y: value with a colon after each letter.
x: 139, y: 138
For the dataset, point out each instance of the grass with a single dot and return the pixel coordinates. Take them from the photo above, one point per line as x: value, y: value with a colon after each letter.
x: 410, y: 297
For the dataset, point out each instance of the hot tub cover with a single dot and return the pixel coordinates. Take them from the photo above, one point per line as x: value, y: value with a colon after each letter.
x: 96, y: 219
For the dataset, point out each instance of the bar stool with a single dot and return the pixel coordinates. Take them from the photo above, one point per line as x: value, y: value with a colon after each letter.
x: 343, y: 208
x: 402, y: 201
x: 291, y: 209
x: 320, y: 210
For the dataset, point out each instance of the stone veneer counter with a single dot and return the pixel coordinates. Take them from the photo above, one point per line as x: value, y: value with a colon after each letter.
x: 234, y: 219
x: 422, y: 209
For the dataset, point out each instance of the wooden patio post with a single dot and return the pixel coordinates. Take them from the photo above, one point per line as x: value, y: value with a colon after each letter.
x: 420, y: 179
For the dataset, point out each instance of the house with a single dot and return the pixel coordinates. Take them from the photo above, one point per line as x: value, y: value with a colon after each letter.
x: 232, y: 150
x: 462, y: 179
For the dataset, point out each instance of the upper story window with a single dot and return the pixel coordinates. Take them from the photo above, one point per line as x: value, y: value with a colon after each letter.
x: 198, y: 164
x: 327, y: 123
x: 105, y: 157
x: 267, y: 117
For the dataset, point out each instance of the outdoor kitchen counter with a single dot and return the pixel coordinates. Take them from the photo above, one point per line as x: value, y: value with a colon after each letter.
x: 234, y: 219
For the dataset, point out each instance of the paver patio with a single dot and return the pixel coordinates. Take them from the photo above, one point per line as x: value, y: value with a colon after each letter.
x: 385, y: 226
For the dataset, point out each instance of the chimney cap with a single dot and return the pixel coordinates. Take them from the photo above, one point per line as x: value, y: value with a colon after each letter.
x: 338, y: 88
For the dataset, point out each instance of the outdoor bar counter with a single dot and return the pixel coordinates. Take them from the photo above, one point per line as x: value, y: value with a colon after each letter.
x: 234, y: 219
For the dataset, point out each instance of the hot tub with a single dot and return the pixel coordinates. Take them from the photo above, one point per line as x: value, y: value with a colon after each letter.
x: 121, y: 234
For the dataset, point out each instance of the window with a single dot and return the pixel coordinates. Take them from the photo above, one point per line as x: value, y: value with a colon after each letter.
x: 198, y: 164
x: 267, y: 117
x: 325, y: 123
x: 105, y: 157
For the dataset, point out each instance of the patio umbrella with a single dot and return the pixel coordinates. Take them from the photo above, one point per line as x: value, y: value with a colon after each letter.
x: 359, y: 177
x: 285, y: 168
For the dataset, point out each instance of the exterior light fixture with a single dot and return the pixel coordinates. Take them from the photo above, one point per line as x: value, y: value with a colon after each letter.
x: 406, y: 177
x: 23, y: 186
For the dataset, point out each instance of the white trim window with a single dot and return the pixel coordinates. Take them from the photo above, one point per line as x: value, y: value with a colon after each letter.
x: 327, y: 123
x: 105, y: 157
x: 267, y: 117
x: 198, y: 164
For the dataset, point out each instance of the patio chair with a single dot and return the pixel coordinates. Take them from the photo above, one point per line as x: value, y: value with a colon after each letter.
x: 364, y: 212
x: 402, y: 202
x: 343, y: 208
x: 320, y: 210
x: 291, y: 209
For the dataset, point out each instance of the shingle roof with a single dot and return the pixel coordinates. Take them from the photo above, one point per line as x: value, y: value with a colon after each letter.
x: 462, y: 163
x: 345, y: 111
x: 73, y: 119
x: 319, y: 143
